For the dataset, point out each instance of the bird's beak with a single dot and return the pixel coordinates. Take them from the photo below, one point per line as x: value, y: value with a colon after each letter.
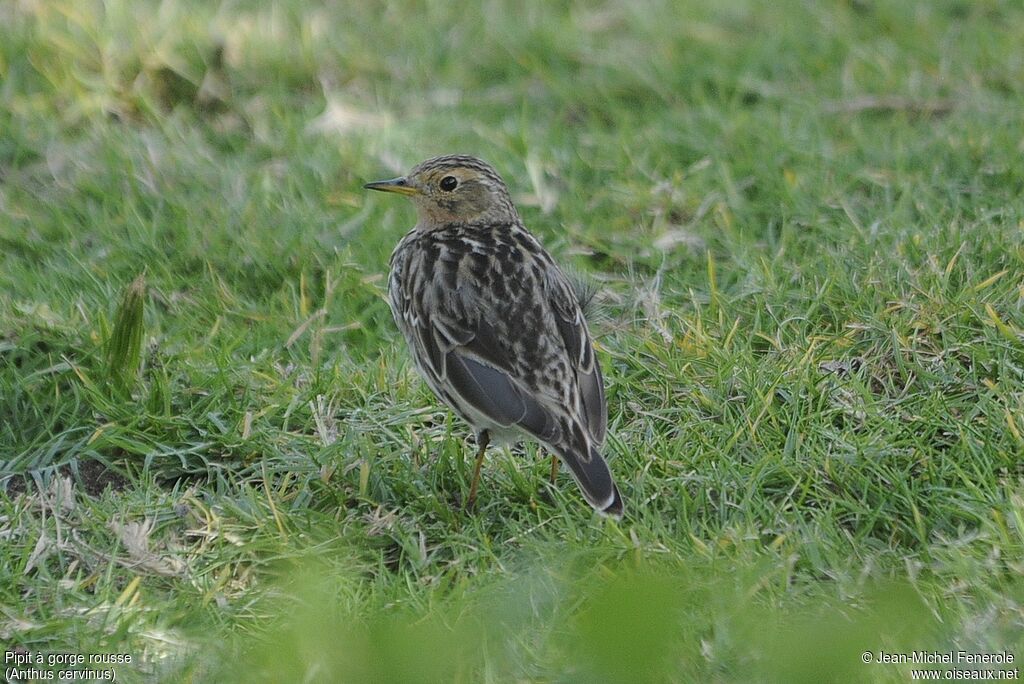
x: 400, y: 185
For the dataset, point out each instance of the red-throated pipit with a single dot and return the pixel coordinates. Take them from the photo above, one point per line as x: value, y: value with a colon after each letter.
x: 494, y: 326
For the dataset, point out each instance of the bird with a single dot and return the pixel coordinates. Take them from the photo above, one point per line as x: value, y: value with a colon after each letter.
x: 493, y: 324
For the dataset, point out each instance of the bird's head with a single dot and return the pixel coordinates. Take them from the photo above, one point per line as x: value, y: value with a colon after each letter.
x: 453, y: 189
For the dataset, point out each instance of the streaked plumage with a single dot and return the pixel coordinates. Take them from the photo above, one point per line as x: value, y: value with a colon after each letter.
x: 494, y: 325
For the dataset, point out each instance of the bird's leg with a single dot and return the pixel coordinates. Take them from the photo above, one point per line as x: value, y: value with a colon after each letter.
x: 554, y: 468
x: 482, y: 439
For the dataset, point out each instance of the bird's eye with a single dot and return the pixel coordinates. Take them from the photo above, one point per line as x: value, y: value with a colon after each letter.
x: 448, y: 183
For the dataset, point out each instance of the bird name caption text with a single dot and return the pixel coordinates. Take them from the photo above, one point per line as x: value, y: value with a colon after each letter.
x: 40, y: 666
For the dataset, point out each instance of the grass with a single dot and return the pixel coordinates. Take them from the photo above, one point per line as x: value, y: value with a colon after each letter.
x: 806, y: 224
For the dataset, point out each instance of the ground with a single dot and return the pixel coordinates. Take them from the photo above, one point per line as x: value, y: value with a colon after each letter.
x: 805, y: 228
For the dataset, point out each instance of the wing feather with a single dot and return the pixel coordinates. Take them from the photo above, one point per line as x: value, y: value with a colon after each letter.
x: 573, y: 329
x: 470, y: 357
x: 472, y: 364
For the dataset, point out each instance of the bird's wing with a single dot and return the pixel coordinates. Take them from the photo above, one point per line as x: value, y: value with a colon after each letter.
x: 573, y: 329
x: 457, y: 349
x: 466, y: 353
x: 468, y: 358
x: 471, y: 363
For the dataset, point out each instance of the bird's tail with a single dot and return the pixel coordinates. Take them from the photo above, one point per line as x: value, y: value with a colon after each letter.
x: 594, y: 478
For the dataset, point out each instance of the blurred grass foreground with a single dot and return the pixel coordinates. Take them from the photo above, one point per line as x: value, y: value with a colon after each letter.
x: 804, y: 222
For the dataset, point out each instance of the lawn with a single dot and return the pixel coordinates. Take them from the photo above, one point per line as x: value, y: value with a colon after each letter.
x: 804, y: 224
